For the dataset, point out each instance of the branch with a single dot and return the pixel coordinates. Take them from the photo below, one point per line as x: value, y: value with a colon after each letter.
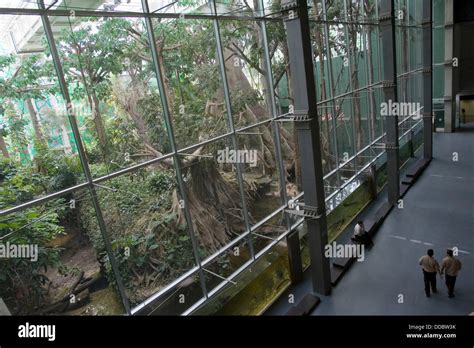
x: 148, y: 59
x: 172, y: 47
x: 168, y: 162
x: 242, y: 55
x: 279, y: 77
x: 273, y: 50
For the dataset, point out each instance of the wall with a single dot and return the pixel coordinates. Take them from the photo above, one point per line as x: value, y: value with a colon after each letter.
x: 464, y: 50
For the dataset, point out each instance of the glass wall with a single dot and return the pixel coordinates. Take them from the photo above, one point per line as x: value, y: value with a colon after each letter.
x: 143, y: 150
x: 409, y: 34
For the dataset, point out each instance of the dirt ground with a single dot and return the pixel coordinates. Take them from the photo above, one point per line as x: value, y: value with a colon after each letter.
x: 78, y: 255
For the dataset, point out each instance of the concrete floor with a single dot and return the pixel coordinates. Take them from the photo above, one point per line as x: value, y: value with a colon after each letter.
x: 438, y: 213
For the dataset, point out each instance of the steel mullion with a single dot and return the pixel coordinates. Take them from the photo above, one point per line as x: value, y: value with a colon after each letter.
x: 124, y: 14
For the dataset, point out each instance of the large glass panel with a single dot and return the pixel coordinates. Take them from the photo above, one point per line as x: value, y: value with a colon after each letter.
x: 148, y: 230
x: 108, y: 68
x: 213, y: 192
x: 39, y: 154
x: 187, y: 51
x: 246, y: 72
x: 226, y: 203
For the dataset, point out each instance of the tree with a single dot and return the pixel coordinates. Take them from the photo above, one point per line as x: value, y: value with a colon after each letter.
x: 369, y: 6
x: 16, y: 131
x: 90, y: 54
x: 354, y: 30
x: 28, y: 82
x: 23, y: 281
x: 3, y: 144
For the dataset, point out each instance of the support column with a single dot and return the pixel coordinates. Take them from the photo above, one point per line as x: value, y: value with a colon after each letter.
x: 303, y: 82
x: 427, y: 80
x: 387, y: 32
x: 448, y: 66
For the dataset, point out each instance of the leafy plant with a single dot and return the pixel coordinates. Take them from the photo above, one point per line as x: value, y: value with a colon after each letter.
x: 22, y: 281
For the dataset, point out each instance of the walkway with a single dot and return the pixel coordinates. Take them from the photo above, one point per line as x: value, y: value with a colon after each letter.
x: 438, y: 213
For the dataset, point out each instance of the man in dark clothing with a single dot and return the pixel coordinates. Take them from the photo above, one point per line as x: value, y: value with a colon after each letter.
x: 430, y: 267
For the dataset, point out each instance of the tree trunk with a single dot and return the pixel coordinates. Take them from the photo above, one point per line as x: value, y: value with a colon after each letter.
x: 61, y: 120
x: 371, y: 80
x: 296, y: 157
x: 66, y: 140
x: 405, y: 63
x: 128, y: 96
x: 325, y: 130
x: 166, y: 82
x: 267, y: 89
x: 3, y: 146
x: 94, y: 104
x: 99, y: 125
x: 35, y: 121
x: 353, y: 30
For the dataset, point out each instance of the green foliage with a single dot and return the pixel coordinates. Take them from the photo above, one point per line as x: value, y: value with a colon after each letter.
x: 22, y: 281
x: 19, y: 183
x: 25, y: 76
x: 137, y: 208
x: 161, y: 182
x: 150, y: 107
x: 142, y: 229
x: 98, y: 49
x: 15, y: 130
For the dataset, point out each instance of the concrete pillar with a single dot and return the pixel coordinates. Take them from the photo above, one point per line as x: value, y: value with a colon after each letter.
x: 427, y: 79
x: 449, y: 111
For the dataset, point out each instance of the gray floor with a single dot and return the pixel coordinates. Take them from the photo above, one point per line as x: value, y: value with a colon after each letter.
x: 438, y: 213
